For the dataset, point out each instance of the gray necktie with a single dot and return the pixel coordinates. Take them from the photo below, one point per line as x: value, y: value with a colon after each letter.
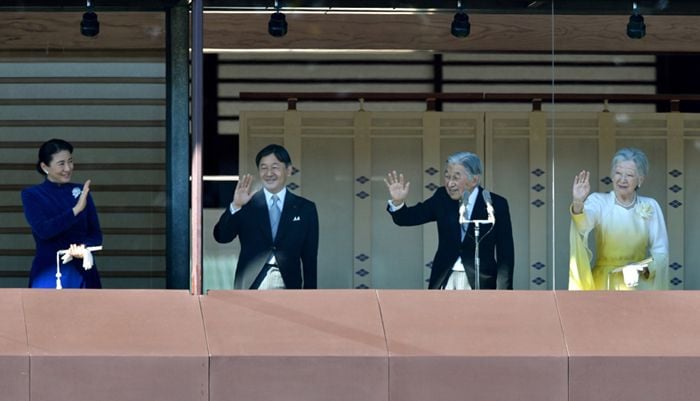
x: 275, y: 213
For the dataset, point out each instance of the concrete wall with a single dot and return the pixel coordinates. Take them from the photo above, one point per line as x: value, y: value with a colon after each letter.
x: 348, y: 345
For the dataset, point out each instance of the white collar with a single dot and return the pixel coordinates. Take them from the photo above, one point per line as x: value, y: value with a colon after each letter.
x: 280, y: 195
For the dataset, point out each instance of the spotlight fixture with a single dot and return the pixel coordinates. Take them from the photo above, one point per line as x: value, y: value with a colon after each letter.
x: 460, y: 23
x: 636, y: 29
x: 89, y: 25
x: 277, y: 26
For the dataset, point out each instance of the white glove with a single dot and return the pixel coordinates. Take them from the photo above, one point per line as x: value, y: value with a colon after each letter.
x: 630, y: 274
x: 88, y: 260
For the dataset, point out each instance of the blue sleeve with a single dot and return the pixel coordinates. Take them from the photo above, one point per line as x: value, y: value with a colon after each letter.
x: 94, y: 233
x: 46, y: 225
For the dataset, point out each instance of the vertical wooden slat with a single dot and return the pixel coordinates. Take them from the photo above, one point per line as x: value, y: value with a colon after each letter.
x: 675, y: 209
x: 362, y: 201
x: 292, y: 142
x: 606, y: 148
x: 538, y: 211
x: 431, y: 161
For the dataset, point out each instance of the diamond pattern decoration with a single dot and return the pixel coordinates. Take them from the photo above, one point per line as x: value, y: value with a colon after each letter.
x: 675, y: 173
x: 538, y: 188
x: 361, y: 287
x: 676, y: 189
x: 538, y: 281
x: 362, y: 257
x: 675, y: 204
x: 295, y: 170
x: 362, y: 179
x: 538, y: 172
x: 292, y: 186
x: 675, y: 265
x: 362, y: 195
x: 537, y: 203
x: 431, y: 171
x: 362, y: 272
x: 431, y: 186
x: 606, y: 180
x: 538, y: 265
x: 676, y: 281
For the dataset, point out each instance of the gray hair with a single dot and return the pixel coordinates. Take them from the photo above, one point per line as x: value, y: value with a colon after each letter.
x: 631, y: 154
x: 469, y: 160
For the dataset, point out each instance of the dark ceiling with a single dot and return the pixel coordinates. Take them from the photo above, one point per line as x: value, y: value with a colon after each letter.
x: 593, y: 7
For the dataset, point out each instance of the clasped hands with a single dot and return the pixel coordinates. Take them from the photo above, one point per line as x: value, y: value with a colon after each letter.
x: 78, y: 252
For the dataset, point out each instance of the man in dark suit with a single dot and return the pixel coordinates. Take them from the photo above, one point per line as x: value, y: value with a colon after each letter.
x: 278, y: 230
x: 458, y: 208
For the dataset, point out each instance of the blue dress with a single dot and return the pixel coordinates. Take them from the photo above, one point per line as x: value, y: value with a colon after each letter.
x: 48, y: 208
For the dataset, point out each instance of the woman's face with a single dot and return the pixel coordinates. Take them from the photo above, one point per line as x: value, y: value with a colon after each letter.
x: 626, y: 179
x: 60, y: 169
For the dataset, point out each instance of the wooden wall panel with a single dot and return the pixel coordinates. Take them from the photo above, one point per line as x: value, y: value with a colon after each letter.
x: 113, y: 112
x: 530, y: 158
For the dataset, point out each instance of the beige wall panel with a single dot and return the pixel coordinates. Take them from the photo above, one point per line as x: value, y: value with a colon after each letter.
x: 41, y: 90
x: 675, y: 205
x: 108, y: 263
x: 397, y: 251
x: 508, y: 161
x: 328, y: 182
x: 11, y: 242
x: 39, y: 113
x: 90, y: 155
x: 97, y: 134
x: 691, y: 194
x: 572, y: 154
x: 127, y: 220
x: 139, y: 242
x: 30, y: 177
x: 121, y: 242
x: 14, y: 219
x: 129, y: 198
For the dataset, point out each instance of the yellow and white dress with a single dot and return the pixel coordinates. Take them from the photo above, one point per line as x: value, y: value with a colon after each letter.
x: 622, y: 236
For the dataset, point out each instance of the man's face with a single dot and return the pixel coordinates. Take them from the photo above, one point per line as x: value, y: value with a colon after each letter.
x: 273, y: 173
x: 457, y: 181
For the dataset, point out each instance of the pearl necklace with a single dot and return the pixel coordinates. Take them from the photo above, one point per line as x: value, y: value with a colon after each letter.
x: 626, y: 205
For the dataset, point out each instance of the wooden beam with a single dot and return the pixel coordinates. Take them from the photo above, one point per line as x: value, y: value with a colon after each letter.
x: 58, y: 33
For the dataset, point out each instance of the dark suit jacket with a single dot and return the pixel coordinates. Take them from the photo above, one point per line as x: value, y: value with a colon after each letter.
x: 496, y: 245
x: 296, y: 243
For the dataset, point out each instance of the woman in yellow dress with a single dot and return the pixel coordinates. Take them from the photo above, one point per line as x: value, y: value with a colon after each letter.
x: 630, y: 231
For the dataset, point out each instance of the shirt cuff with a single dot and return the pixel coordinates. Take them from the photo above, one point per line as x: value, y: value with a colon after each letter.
x: 232, y: 209
x: 393, y: 208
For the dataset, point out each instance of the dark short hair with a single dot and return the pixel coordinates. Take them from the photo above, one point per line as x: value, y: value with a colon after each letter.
x: 273, y: 149
x: 50, y: 148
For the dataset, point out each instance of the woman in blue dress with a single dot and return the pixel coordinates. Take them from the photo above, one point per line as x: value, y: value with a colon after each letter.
x: 62, y: 216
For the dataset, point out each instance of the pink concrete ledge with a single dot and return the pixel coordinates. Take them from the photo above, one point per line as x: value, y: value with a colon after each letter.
x: 641, y: 346
x: 474, y: 346
x: 296, y: 346
x: 115, y: 345
x: 14, y: 350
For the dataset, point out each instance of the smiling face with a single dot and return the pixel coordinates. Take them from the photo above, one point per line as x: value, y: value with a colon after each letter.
x: 60, y: 169
x: 273, y: 173
x: 457, y: 181
x: 626, y: 179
